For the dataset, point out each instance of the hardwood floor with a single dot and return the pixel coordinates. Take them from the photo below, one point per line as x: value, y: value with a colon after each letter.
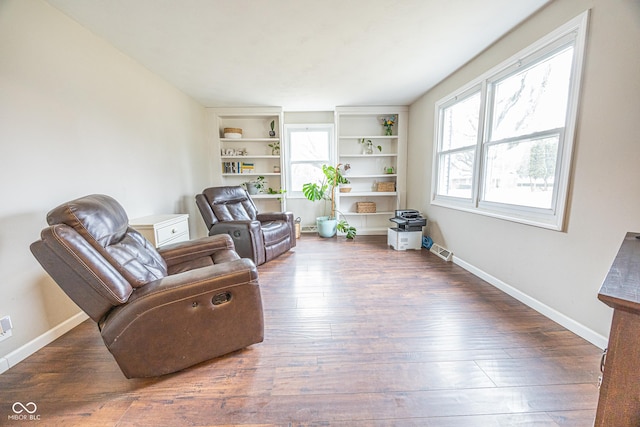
x: 356, y: 334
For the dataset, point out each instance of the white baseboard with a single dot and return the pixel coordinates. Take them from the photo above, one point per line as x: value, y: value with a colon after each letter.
x: 563, y: 320
x: 18, y: 355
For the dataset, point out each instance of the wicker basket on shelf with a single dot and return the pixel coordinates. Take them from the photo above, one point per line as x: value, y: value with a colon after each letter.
x: 365, y: 207
x: 386, y: 186
x: 233, y: 133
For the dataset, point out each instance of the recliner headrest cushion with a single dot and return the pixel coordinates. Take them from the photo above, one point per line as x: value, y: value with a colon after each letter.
x: 97, y: 216
x: 226, y: 195
x: 103, y: 222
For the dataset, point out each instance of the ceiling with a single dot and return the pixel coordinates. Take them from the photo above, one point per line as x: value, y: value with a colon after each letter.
x: 300, y: 54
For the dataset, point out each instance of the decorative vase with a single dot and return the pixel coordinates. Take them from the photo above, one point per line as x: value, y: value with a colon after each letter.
x: 388, y: 131
x: 272, y: 133
x: 367, y: 149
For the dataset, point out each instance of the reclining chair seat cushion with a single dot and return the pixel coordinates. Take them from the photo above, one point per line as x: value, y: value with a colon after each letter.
x: 275, y: 232
x: 219, y: 257
x: 139, y: 260
x: 104, y: 224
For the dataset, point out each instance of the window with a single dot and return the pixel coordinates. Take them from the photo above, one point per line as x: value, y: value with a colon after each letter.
x: 504, y: 142
x: 309, y: 147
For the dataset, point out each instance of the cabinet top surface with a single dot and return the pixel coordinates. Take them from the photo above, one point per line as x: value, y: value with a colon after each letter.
x: 158, y: 219
x: 621, y: 287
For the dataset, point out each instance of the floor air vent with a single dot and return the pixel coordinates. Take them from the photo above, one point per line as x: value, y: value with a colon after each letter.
x: 443, y: 253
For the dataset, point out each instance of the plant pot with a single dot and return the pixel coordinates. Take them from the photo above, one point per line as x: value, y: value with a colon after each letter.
x: 327, y: 226
x: 251, y: 188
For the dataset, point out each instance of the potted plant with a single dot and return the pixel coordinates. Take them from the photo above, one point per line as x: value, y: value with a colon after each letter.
x: 275, y: 148
x: 256, y: 186
x: 345, y: 186
x: 272, y: 132
x: 272, y: 191
x: 325, y: 191
x: 367, y: 146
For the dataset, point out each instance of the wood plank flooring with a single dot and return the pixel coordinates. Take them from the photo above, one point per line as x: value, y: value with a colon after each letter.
x: 356, y: 334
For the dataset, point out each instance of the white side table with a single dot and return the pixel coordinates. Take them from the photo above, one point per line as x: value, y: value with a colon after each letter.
x: 162, y: 230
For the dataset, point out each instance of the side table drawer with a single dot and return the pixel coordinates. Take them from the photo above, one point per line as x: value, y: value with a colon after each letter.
x: 170, y: 232
x: 163, y: 229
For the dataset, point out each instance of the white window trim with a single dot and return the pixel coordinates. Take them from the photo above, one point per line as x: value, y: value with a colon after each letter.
x: 547, y: 218
x: 329, y: 127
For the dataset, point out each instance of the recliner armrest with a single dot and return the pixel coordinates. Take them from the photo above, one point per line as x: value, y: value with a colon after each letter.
x: 178, y: 253
x: 275, y: 216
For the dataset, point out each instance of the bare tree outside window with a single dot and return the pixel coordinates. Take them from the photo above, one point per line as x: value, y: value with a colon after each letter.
x: 504, y: 141
x: 527, y: 103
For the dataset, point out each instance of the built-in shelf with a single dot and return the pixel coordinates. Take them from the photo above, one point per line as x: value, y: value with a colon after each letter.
x: 270, y: 140
x: 384, y: 213
x: 367, y: 171
x: 249, y: 157
x: 253, y: 153
x: 370, y: 137
x: 381, y: 175
x: 369, y: 194
x: 252, y: 174
x: 370, y: 155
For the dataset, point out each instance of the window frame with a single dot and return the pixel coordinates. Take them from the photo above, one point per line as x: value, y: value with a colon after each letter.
x: 329, y: 128
x: 571, y: 33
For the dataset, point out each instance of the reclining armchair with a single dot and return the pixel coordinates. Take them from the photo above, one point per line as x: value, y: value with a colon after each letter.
x: 260, y: 237
x: 158, y: 311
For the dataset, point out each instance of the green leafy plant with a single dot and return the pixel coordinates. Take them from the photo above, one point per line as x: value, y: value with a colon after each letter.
x: 275, y: 148
x: 260, y: 183
x: 272, y: 191
x: 325, y: 191
x: 272, y: 132
x: 369, y: 145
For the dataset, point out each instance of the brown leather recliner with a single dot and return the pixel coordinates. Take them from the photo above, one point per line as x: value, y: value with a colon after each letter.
x: 259, y: 236
x: 158, y: 311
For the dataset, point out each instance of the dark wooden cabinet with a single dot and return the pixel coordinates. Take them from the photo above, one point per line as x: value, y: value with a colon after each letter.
x: 619, y: 401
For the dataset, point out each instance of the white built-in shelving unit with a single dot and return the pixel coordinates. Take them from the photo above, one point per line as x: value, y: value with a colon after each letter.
x: 240, y: 160
x: 367, y: 170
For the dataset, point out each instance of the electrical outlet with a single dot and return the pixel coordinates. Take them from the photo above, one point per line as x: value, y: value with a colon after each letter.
x: 5, y: 324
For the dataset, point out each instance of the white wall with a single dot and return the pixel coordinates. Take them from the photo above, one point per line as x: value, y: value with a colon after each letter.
x: 79, y: 117
x: 561, y: 271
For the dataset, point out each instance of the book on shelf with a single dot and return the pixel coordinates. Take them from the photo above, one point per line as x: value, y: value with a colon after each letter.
x: 237, y: 167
